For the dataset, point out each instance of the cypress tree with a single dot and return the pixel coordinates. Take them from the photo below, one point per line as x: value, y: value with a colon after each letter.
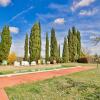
x: 34, y: 43
x: 58, y: 59
x: 47, y: 48
x: 74, y: 42
x: 40, y: 40
x: 74, y: 45
x: 59, y: 50
x: 26, y: 48
x: 54, y: 47
x: 70, y: 44
x: 65, y: 54
x: 5, y: 45
x: 78, y: 44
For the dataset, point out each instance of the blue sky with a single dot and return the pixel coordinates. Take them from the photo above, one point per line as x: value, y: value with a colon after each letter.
x: 20, y: 15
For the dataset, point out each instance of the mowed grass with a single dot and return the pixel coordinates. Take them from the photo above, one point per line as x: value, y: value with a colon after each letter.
x: 78, y: 86
x: 22, y: 69
x: 5, y: 72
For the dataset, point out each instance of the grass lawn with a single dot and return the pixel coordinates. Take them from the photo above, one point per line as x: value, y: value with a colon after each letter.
x: 33, y: 69
x: 12, y: 70
x: 78, y: 86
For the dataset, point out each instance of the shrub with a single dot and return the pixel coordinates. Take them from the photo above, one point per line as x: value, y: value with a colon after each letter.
x: 11, y: 58
x: 82, y: 60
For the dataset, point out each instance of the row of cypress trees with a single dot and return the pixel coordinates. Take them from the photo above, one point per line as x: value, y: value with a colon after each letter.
x: 5, y: 43
x: 54, y: 48
x: 71, y: 46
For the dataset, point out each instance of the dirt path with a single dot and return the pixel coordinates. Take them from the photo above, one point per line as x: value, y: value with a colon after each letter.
x: 3, y: 95
x: 26, y: 78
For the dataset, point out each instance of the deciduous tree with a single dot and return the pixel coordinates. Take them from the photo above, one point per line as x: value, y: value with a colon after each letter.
x: 11, y: 58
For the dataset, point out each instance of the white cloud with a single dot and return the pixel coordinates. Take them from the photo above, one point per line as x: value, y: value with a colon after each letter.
x: 4, y: 3
x: 92, y: 37
x: 14, y: 30
x: 81, y: 3
x: 59, y: 21
x: 88, y: 12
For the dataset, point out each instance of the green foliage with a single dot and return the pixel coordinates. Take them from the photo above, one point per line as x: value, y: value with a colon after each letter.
x: 47, y: 48
x: 59, y: 50
x: 65, y: 55
x: 78, y: 44
x: 5, y: 44
x: 74, y: 43
x: 6, y: 72
x: 26, y: 48
x: 78, y: 86
x: 59, y: 58
x: 35, y: 43
x: 70, y: 43
x: 54, y: 46
x: 40, y: 40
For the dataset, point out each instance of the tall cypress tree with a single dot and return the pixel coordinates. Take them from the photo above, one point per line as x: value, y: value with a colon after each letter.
x: 40, y: 40
x: 59, y: 50
x: 74, y: 45
x: 58, y: 58
x: 26, y: 48
x: 34, y: 43
x: 54, y: 47
x: 47, y: 48
x: 78, y: 44
x: 65, y: 54
x: 5, y: 45
x: 70, y: 44
x: 74, y: 42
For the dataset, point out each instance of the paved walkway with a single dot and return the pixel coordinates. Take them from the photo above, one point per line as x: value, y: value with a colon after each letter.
x: 32, y: 77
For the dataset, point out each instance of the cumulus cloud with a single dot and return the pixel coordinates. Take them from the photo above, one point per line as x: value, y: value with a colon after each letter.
x: 4, y: 3
x: 59, y: 21
x: 81, y: 3
x: 88, y: 12
x: 14, y: 30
